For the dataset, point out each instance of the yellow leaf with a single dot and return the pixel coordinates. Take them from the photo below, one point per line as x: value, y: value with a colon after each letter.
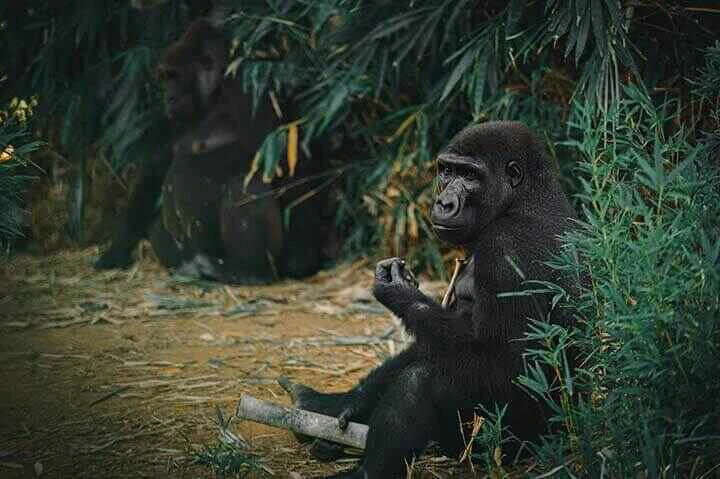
x: 414, y: 229
x: 403, y: 126
x: 7, y: 154
x: 253, y: 169
x: 497, y: 455
x: 292, y: 148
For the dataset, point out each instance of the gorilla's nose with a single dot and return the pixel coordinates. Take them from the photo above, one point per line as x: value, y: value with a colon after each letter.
x: 446, y: 206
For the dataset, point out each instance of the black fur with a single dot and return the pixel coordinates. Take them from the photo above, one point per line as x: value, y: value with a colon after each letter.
x: 210, y: 223
x: 499, y: 198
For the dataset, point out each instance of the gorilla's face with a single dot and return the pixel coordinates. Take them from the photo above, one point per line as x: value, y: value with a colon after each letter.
x: 179, y: 91
x: 472, y: 193
x: 190, y: 75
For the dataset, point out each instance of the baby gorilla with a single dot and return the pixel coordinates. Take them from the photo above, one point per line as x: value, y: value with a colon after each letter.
x: 499, y: 199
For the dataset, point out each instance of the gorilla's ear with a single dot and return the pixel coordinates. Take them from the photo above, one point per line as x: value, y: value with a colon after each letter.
x: 515, y: 173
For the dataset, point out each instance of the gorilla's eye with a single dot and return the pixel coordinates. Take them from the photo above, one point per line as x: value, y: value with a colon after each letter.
x: 469, y: 173
x: 445, y: 169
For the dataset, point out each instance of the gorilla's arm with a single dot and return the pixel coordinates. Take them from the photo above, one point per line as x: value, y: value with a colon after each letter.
x: 133, y: 225
x: 424, y: 317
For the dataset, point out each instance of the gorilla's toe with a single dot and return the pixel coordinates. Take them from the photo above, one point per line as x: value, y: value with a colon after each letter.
x: 298, y: 392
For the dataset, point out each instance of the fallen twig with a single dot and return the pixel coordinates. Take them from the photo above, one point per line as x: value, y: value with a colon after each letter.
x: 112, y: 393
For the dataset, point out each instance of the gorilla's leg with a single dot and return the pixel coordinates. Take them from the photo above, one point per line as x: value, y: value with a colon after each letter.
x: 371, y: 388
x: 305, y: 397
x: 447, y: 432
x: 356, y: 405
x: 331, y: 404
x: 302, y: 255
x: 167, y: 250
x: 251, y: 233
x: 400, y: 427
x: 135, y: 223
x: 368, y: 390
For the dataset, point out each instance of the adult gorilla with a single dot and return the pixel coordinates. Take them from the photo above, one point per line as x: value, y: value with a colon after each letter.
x: 211, y: 224
x: 500, y: 199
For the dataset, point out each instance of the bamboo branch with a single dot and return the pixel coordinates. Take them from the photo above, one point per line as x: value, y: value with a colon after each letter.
x: 301, y: 421
x: 459, y: 263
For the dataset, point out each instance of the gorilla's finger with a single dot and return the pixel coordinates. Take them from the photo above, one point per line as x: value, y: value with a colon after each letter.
x: 381, y: 273
x: 396, y: 272
x: 385, y: 263
x: 410, y: 277
x: 344, y: 418
x: 382, y: 269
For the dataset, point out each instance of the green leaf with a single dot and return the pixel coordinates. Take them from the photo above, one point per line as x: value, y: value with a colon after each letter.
x: 458, y: 72
x: 598, y: 24
x: 515, y: 11
x: 583, y: 35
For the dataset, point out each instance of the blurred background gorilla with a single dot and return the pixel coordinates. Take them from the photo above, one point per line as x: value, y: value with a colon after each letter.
x: 213, y: 223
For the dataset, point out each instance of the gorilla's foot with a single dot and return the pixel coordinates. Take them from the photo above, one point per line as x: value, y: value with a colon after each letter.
x: 297, y: 392
x: 305, y: 397
x: 326, y: 451
x: 115, y: 258
x: 302, y: 398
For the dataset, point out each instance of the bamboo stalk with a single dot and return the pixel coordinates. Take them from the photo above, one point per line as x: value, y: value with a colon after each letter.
x: 459, y: 262
x: 301, y: 421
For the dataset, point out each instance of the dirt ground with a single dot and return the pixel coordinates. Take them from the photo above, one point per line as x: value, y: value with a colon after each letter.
x: 121, y: 373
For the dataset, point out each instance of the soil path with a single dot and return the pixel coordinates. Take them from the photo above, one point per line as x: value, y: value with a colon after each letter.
x: 121, y: 373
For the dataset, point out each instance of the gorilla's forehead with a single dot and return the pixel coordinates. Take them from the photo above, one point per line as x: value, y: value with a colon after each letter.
x: 490, y: 138
x: 199, y: 35
x: 498, y: 141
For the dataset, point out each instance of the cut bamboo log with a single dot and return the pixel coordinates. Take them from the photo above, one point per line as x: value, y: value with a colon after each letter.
x: 301, y: 421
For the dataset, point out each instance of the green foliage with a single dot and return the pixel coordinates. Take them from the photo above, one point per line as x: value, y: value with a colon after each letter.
x: 391, y: 80
x: 397, y: 79
x: 15, y: 146
x: 646, y: 397
x: 490, y: 441
x: 91, y: 62
x: 228, y: 460
x: 708, y: 81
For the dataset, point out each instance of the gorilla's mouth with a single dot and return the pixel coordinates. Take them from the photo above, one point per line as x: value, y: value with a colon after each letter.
x: 447, y: 227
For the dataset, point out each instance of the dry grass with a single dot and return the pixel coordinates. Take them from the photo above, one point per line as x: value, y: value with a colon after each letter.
x: 119, y: 374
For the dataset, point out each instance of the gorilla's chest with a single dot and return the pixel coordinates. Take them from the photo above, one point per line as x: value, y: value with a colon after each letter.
x: 464, y: 293
x: 194, y: 187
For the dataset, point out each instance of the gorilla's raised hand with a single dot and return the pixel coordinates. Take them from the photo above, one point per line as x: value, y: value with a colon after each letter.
x: 394, y: 285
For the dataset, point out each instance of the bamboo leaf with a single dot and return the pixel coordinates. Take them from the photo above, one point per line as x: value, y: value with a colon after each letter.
x: 458, y: 72
x: 292, y: 148
x: 582, y: 36
x: 598, y: 25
